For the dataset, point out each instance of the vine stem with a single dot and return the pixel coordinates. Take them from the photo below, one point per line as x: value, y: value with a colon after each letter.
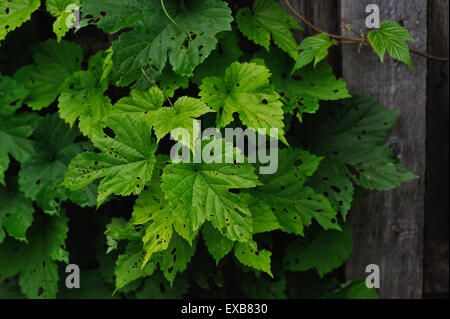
x: 156, y: 85
x: 362, y: 40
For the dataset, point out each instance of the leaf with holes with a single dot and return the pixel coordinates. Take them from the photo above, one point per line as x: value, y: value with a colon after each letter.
x: 326, y: 251
x: 199, y: 192
x: 13, y: 13
x: 83, y: 96
x: 305, y: 87
x: 54, y: 62
x: 176, y: 257
x: 227, y: 52
x: 41, y: 176
x: 152, y: 212
x: 129, y: 265
x: 61, y: 10
x: 391, y: 37
x: 268, y: 20
x: 183, y: 33
x: 245, y: 89
x: 293, y: 203
x: 125, y: 162
x: 36, y: 261
x: 348, y: 135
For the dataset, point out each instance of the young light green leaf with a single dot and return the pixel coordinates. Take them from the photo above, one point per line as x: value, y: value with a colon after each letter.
x: 391, y: 37
x: 257, y: 259
x: 199, y: 192
x: 153, y: 212
x: 54, y: 62
x: 125, y: 161
x: 140, y: 103
x: 61, y: 11
x: 245, y: 89
x: 181, y: 115
x: 314, y: 48
x: 325, y: 252
x: 268, y: 20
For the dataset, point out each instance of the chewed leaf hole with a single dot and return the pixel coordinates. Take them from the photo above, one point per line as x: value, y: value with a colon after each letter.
x: 109, y: 132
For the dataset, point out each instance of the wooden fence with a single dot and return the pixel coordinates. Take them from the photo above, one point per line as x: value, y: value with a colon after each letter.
x: 404, y: 231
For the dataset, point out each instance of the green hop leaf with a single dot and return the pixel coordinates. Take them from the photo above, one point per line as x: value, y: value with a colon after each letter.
x: 326, y: 251
x: 181, y: 115
x: 218, y: 245
x: 129, y: 265
x: 59, y: 9
x: 125, y: 161
x: 293, y: 203
x: 348, y: 135
x: 391, y: 37
x: 16, y: 214
x: 12, y: 95
x: 171, y: 30
x: 83, y: 96
x: 42, y: 174
x: 227, y: 52
x: 305, y: 87
x: 54, y: 63
x: 13, y: 13
x: 314, y: 48
x: 199, y: 192
x: 36, y: 261
x: 268, y: 20
x: 245, y: 89
x: 257, y: 259
x: 14, y: 132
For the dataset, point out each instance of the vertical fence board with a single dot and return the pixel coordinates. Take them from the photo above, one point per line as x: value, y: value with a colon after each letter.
x: 437, y: 202
x: 324, y: 14
x: 388, y: 226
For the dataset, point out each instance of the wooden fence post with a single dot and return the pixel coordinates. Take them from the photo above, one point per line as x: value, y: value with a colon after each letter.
x: 437, y: 202
x: 388, y: 226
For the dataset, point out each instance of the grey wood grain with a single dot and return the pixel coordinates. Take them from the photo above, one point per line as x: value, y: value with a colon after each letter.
x: 437, y: 201
x: 324, y: 14
x: 388, y: 226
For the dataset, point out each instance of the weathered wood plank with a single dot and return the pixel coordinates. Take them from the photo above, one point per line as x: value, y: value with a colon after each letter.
x: 388, y: 226
x: 437, y: 202
x: 324, y: 14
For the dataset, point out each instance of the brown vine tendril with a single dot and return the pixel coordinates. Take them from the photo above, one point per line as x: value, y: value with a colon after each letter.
x: 362, y: 40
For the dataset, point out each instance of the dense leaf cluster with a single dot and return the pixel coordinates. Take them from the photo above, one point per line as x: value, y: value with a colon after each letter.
x: 72, y: 153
